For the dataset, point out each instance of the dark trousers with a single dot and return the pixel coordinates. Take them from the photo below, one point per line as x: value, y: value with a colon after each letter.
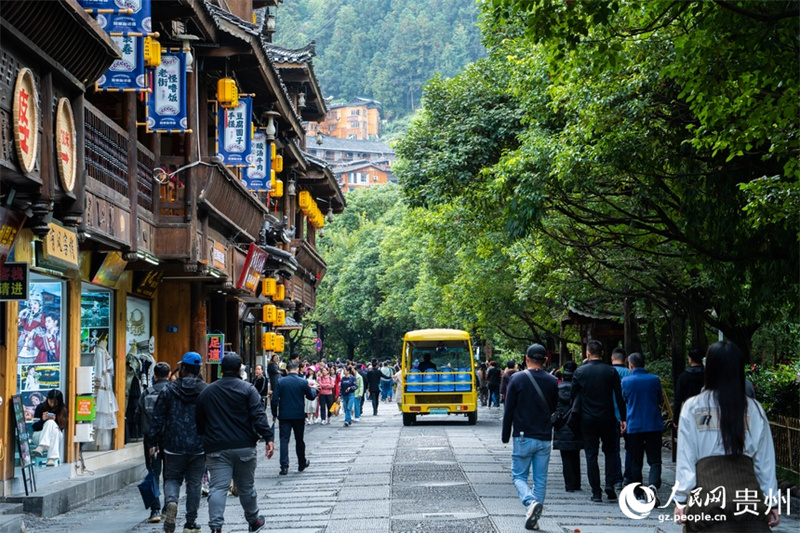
x: 375, y: 396
x: 176, y: 469
x: 571, y: 461
x: 637, y: 445
x: 621, y: 476
x: 594, y: 432
x: 325, y: 403
x: 154, y: 465
x: 286, y: 428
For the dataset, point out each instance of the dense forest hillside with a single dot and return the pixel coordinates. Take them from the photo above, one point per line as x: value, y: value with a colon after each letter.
x: 382, y: 49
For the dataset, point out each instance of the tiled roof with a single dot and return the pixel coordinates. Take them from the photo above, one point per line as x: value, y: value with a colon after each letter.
x: 355, y: 165
x: 219, y: 14
x: 352, y: 145
x: 279, y: 54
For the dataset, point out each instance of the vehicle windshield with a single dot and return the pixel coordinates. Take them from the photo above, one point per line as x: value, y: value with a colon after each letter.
x: 442, y: 356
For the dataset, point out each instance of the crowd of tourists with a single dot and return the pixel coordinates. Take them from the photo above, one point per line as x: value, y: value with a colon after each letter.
x: 724, y: 438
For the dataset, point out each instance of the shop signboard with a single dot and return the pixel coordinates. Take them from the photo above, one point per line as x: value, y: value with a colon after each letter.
x: 145, y: 283
x: 60, y: 246
x: 11, y: 222
x: 166, y: 106
x: 109, y: 272
x: 219, y: 256
x: 256, y: 177
x: 65, y: 145
x: 26, y: 119
x: 127, y: 73
x: 234, y: 133
x: 14, y: 281
x: 253, y: 267
x: 215, y: 342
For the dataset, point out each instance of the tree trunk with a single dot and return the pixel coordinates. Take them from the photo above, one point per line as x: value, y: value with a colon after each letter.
x: 630, y: 327
x: 698, y: 328
x: 677, y: 344
x: 742, y: 336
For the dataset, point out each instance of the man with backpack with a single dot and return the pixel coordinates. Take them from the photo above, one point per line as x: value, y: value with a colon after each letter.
x: 143, y: 416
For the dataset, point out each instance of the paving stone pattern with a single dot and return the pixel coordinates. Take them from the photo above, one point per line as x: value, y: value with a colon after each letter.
x: 439, y: 476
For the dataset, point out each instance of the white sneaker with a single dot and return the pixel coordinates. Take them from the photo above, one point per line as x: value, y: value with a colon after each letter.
x: 533, y: 514
x: 356, y: 419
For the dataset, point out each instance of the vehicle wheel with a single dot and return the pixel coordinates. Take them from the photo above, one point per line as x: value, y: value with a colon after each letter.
x: 409, y: 418
x: 472, y: 418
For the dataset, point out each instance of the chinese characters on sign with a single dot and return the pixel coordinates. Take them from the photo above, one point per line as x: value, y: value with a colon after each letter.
x: 26, y: 119
x: 166, y: 107
x: 14, y: 281
x: 65, y: 144
x: 61, y: 246
x: 137, y: 23
x: 128, y: 72
x: 234, y: 133
x: 214, y: 344
x: 253, y: 267
x: 256, y: 177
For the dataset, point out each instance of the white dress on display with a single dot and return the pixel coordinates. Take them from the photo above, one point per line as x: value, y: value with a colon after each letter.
x: 107, y: 407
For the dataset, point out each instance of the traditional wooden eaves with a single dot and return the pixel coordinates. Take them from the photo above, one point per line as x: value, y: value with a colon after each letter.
x: 323, y: 183
x: 64, y: 33
x: 250, y: 33
x: 296, y: 66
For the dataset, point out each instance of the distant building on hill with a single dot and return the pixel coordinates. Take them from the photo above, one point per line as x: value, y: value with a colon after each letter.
x: 339, y: 152
x: 358, y: 119
x: 361, y: 174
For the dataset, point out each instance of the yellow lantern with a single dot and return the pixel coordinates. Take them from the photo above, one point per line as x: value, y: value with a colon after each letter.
x: 280, y: 320
x: 280, y: 343
x: 280, y: 293
x: 268, y: 286
x: 276, y: 190
x: 273, y: 151
x: 304, y: 200
x: 152, y: 52
x: 268, y: 313
x: 277, y: 163
x: 268, y: 341
x: 227, y: 93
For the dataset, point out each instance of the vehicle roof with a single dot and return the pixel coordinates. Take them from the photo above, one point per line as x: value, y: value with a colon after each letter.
x: 436, y: 335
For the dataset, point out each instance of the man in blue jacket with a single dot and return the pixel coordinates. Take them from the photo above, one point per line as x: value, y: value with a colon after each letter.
x: 643, y: 397
x: 231, y: 421
x: 173, y: 425
x: 288, y: 406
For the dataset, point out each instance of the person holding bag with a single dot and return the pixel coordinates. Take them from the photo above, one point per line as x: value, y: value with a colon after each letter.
x: 326, y: 384
x: 564, y: 438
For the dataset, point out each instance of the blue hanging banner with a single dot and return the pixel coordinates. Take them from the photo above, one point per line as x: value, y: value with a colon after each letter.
x: 137, y: 23
x: 256, y: 177
x: 126, y: 74
x: 234, y: 133
x: 166, y: 106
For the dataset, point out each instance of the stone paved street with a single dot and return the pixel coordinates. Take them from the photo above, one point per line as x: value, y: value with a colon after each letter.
x: 440, y: 475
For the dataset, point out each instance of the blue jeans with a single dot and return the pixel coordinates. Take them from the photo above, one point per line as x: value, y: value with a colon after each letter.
x: 347, y: 400
x: 386, y: 389
x: 239, y: 465
x: 530, y: 454
x: 494, y: 399
x: 357, y: 405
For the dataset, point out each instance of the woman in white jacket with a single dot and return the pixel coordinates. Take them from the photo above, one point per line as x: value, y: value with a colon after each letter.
x: 725, y: 452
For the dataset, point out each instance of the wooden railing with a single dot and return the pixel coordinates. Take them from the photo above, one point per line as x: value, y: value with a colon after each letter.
x: 106, y: 150
x: 144, y: 178
x: 786, y: 437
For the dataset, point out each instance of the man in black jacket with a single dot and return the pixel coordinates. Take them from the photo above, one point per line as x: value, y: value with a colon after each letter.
x: 144, y: 410
x: 595, y: 385
x: 690, y: 383
x: 231, y: 421
x: 288, y: 406
x: 373, y: 384
x: 173, y: 425
x: 528, y: 408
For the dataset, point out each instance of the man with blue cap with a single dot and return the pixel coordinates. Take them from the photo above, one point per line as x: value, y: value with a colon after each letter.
x: 174, y: 427
x: 231, y: 420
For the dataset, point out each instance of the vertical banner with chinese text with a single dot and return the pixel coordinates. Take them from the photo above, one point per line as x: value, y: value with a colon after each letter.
x: 256, y: 176
x: 234, y: 133
x: 166, y: 106
x: 126, y: 74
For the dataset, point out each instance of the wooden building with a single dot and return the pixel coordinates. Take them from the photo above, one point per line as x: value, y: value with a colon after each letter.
x: 144, y: 240
x: 361, y: 174
x: 359, y: 119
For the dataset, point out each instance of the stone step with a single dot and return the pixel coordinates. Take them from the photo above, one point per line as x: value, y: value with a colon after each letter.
x: 11, y: 523
x: 11, y: 508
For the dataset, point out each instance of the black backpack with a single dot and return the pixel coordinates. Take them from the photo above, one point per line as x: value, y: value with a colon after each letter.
x: 149, y: 402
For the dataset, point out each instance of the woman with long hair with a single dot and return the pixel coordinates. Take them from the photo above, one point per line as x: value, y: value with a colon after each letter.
x: 326, y: 385
x: 725, y: 442
x: 50, y: 418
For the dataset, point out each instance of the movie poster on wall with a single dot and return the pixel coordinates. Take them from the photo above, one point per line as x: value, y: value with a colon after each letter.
x: 40, y: 343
